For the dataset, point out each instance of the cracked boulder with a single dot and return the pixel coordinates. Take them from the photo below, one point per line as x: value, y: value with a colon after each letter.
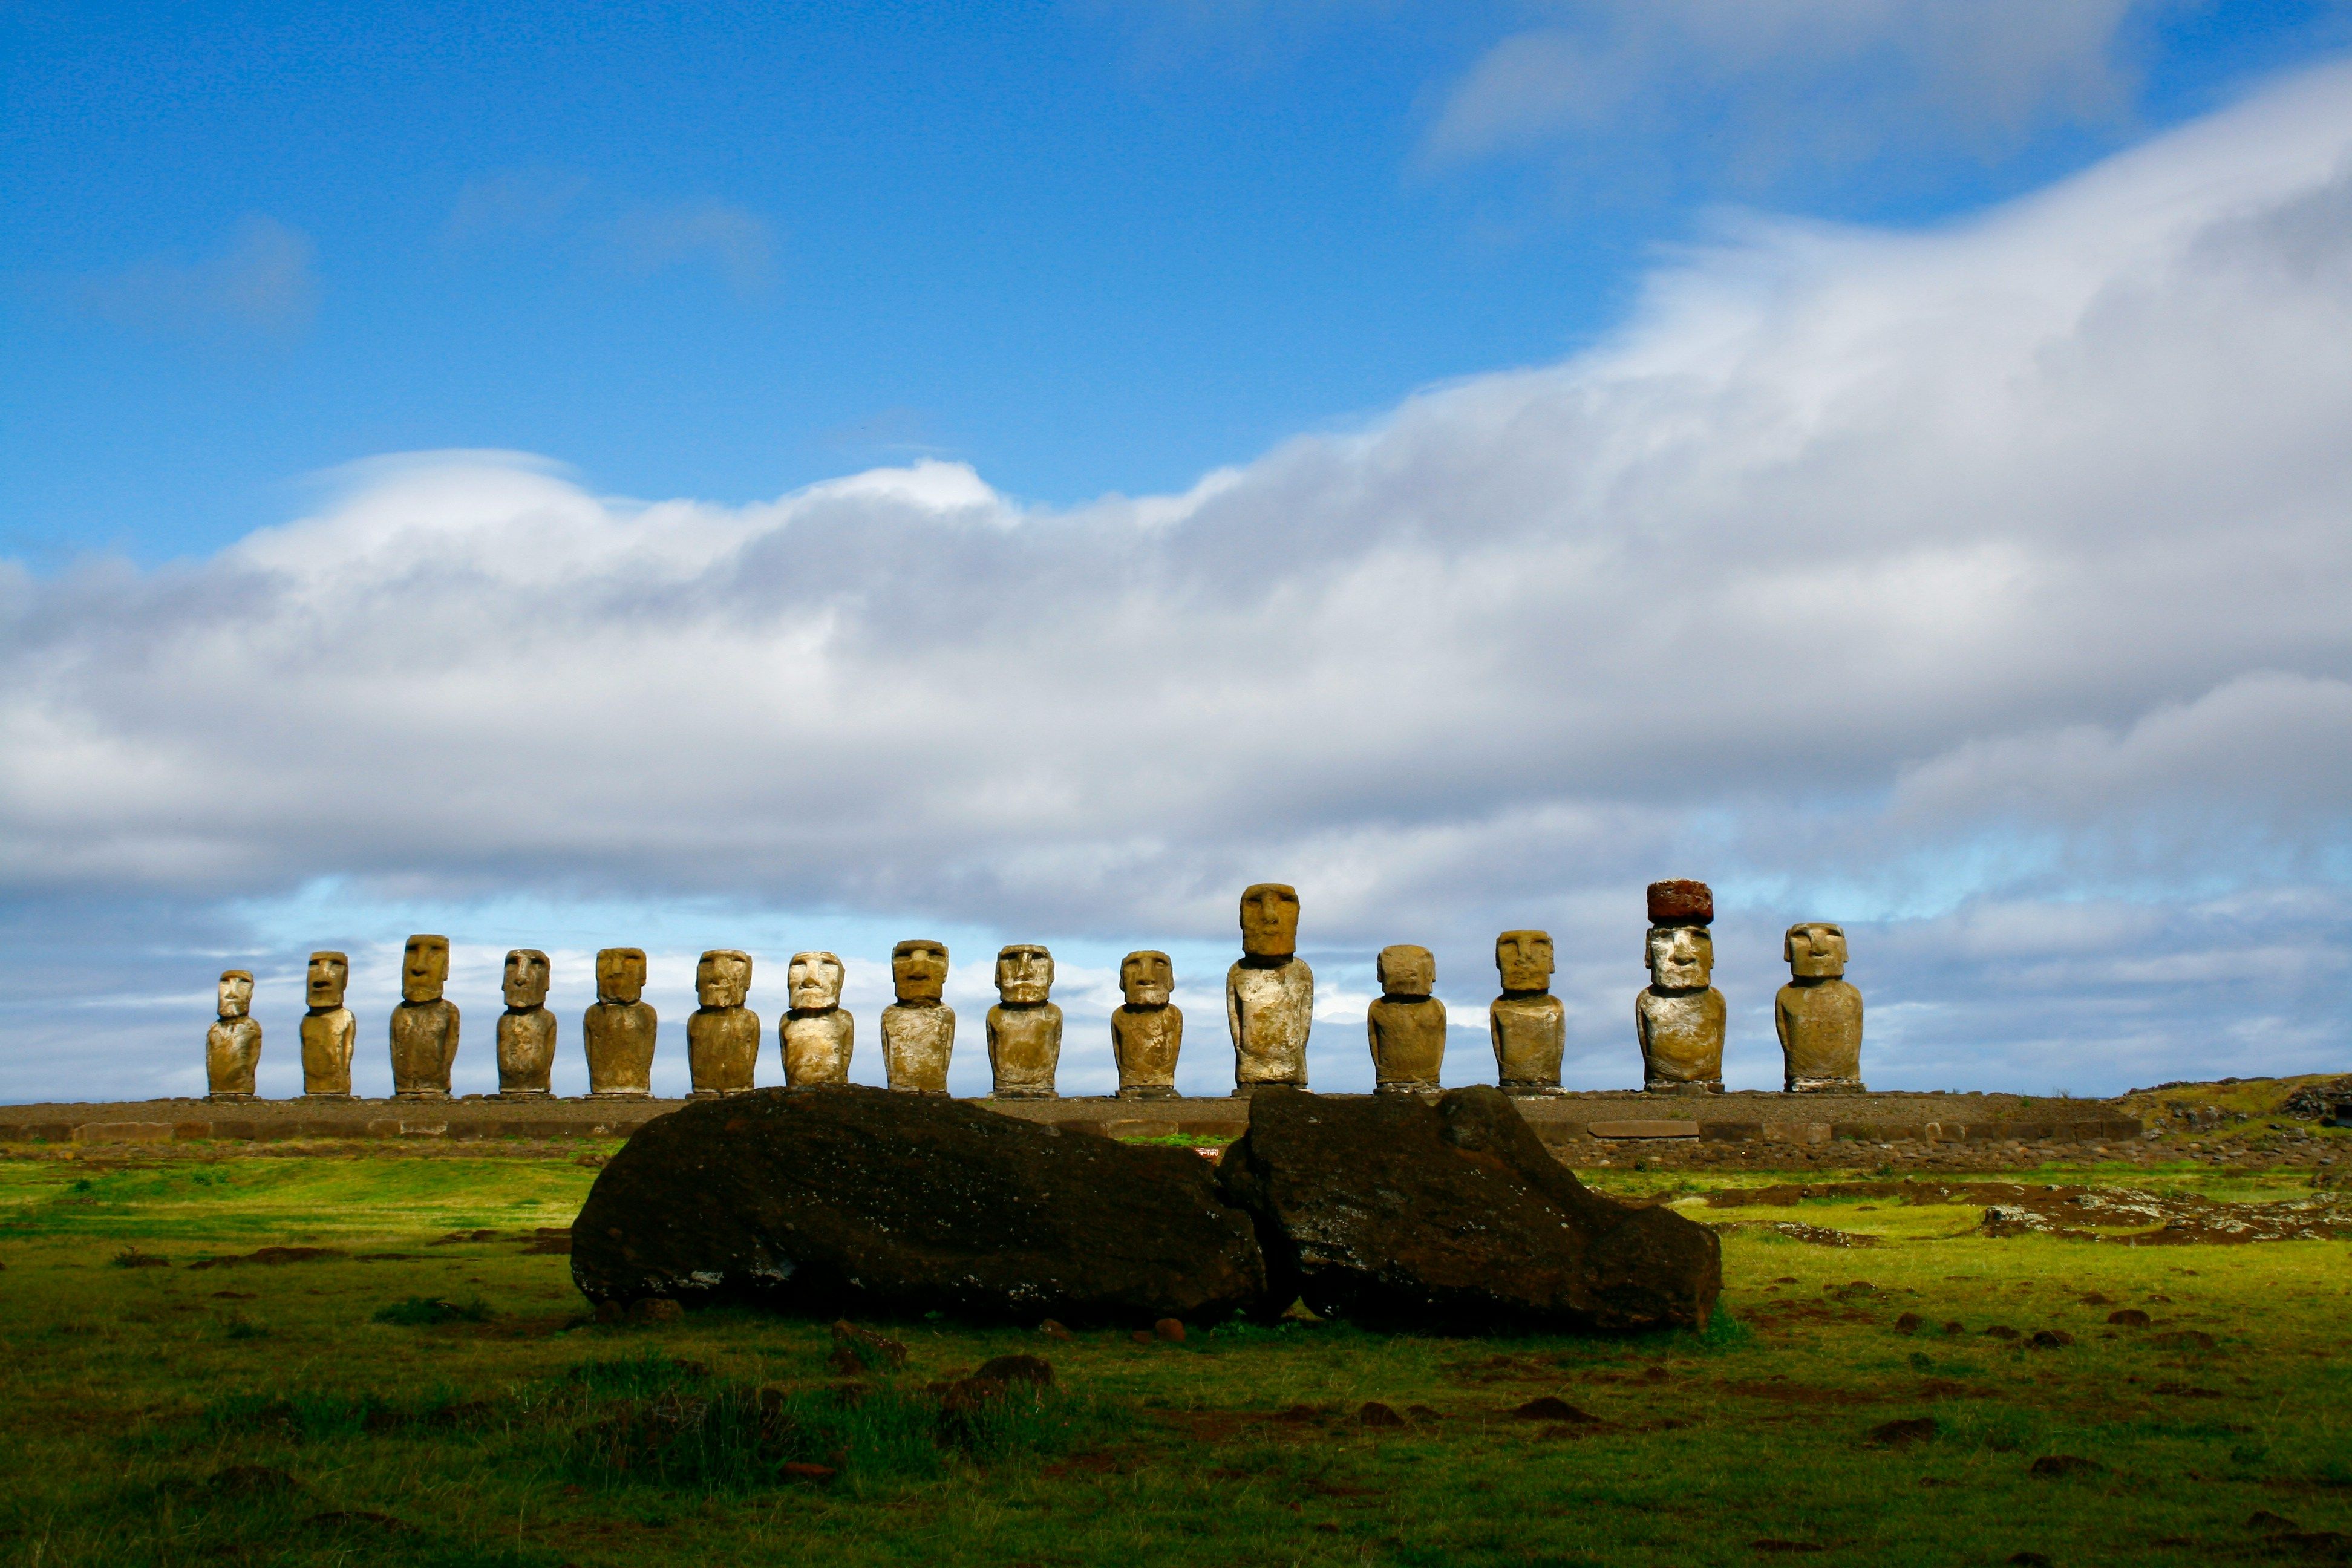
x: 859, y: 1203
x: 1450, y: 1217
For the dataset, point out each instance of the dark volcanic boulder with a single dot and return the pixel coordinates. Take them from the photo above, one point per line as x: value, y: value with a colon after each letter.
x: 1396, y: 1213
x: 860, y: 1203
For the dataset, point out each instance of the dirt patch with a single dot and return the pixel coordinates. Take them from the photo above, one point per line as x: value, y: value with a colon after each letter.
x: 272, y: 1257
x: 2118, y: 1216
x: 1811, y: 1234
x: 1781, y: 1392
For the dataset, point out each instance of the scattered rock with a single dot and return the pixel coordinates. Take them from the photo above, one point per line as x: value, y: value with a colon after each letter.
x: 647, y: 1313
x: 1036, y: 1370
x: 2063, y: 1465
x: 2050, y: 1339
x: 2128, y: 1318
x: 2096, y: 1300
x: 1908, y: 1323
x: 2332, y: 1544
x: 1372, y: 1413
x: 551, y: 1240
x: 861, y: 1202
x: 1549, y: 1408
x: 132, y: 1258
x: 2001, y: 1332
x: 2264, y: 1519
x: 456, y: 1236
x: 1452, y: 1215
x: 1170, y: 1330
x: 1141, y: 1336
x: 1423, y: 1413
x: 1903, y: 1433
x: 856, y: 1349
x: 248, y: 1481
x: 2183, y: 1340
x: 2029, y: 1560
x: 1053, y: 1330
x: 1954, y: 1329
x: 1811, y: 1235
x: 801, y: 1470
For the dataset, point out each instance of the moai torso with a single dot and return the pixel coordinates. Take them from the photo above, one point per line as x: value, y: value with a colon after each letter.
x: 1819, y: 1016
x: 1527, y: 1023
x: 1680, y: 1018
x: 233, y: 1044
x: 1147, y: 1033
x: 1406, y: 1025
x: 526, y: 1029
x: 1270, y: 994
x: 424, y: 1025
x: 620, y: 1027
x: 330, y: 1033
x: 919, y: 1028
x: 723, y: 1035
x: 1025, y: 1029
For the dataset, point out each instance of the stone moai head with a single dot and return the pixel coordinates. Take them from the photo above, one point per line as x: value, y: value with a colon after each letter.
x: 1024, y: 974
x: 1523, y: 958
x: 1680, y: 953
x: 814, y: 980
x: 621, y: 974
x: 526, y: 979
x: 723, y: 977
x: 1147, y: 978
x: 1408, y: 971
x: 235, y: 992
x: 323, y: 985
x: 918, y: 970
x: 1815, y: 951
x: 1270, y: 920
x: 424, y: 968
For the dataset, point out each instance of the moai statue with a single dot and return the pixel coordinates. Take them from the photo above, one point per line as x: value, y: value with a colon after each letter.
x: 1527, y: 1022
x: 1270, y: 994
x: 919, y: 1029
x: 526, y: 1029
x: 1407, y: 1024
x: 1680, y: 1016
x: 619, y: 1028
x: 1819, y: 1014
x: 424, y: 1025
x: 233, y: 1044
x: 1025, y: 1030
x: 723, y: 1035
x: 1147, y: 1033
x: 818, y: 1032
x: 330, y: 1033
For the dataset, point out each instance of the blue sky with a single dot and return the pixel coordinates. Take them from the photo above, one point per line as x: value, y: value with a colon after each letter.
x: 782, y: 477
x: 725, y: 251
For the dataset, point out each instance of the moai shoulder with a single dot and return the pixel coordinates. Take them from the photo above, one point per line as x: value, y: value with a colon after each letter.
x: 424, y: 1025
x: 1818, y: 1014
x: 1680, y: 1016
x: 620, y: 1028
x: 1269, y: 993
x: 1406, y: 1023
x: 1024, y: 1028
x: 816, y: 1033
x: 1527, y: 1023
x: 233, y: 1042
x: 919, y: 1028
x: 1147, y: 1031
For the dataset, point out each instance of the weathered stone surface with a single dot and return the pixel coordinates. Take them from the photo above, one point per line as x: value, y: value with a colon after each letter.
x: 1818, y: 1015
x: 1147, y: 1032
x: 620, y: 1028
x: 1025, y: 1029
x: 818, y: 1033
x: 233, y: 1044
x: 861, y: 1203
x: 328, y: 1031
x: 1400, y: 1213
x: 1406, y: 1025
x: 1679, y: 1018
x: 1677, y: 900
x: 919, y: 1028
x: 526, y: 1029
x: 1270, y: 993
x: 1527, y: 1023
x: 424, y: 1026
x: 722, y: 1034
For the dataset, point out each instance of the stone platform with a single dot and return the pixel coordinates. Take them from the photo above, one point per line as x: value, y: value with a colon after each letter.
x: 1588, y: 1120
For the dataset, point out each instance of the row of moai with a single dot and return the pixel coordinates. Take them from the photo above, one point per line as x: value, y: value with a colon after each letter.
x: 1269, y: 1010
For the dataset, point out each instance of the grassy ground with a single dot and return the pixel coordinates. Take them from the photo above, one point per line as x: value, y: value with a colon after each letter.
x: 449, y: 1406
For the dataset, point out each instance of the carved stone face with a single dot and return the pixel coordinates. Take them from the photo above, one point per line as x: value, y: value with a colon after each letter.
x: 235, y: 992
x: 1407, y: 971
x: 1523, y: 958
x: 1815, y: 951
x: 918, y: 970
x: 621, y: 974
x: 1025, y: 973
x: 1270, y: 920
x: 815, y: 982
x: 526, y: 977
x: 1148, y: 978
x: 424, y: 968
x: 1681, y: 958
x: 722, y: 978
x: 329, y: 972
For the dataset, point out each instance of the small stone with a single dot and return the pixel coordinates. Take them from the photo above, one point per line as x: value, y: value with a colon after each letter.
x: 2001, y: 1332
x: 1549, y: 1408
x: 801, y: 1470
x: 1170, y: 1330
x: 1908, y: 1323
x: 2264, y: 1519
x: 1141, y: 1336
x: 2184, y: 1340
x: 1054, y: 1330
x: 2050, y: 1339
x: 1374, y: 1413
x: 1954, y: 1329
x: 2029, y: 1560
x: 856, y: 1350
x: 1903, y: 1433
x: 2128, y: 1318
x: 1036, y: 1370
x: 2063, y: 1465
x: 656, y: 1310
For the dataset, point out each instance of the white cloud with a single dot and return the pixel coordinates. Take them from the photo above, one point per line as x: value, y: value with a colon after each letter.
x: 1897, y: 578
x: 261, y: 280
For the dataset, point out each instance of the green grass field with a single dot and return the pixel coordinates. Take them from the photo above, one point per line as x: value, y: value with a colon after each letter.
x: 450, y: 1404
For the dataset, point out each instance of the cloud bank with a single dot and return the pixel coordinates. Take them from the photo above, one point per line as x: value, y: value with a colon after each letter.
x: 1984, y: 587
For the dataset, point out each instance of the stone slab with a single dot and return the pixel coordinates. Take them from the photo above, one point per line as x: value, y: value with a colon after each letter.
x: 1641, y: 1128
x: 1572, y: 1119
